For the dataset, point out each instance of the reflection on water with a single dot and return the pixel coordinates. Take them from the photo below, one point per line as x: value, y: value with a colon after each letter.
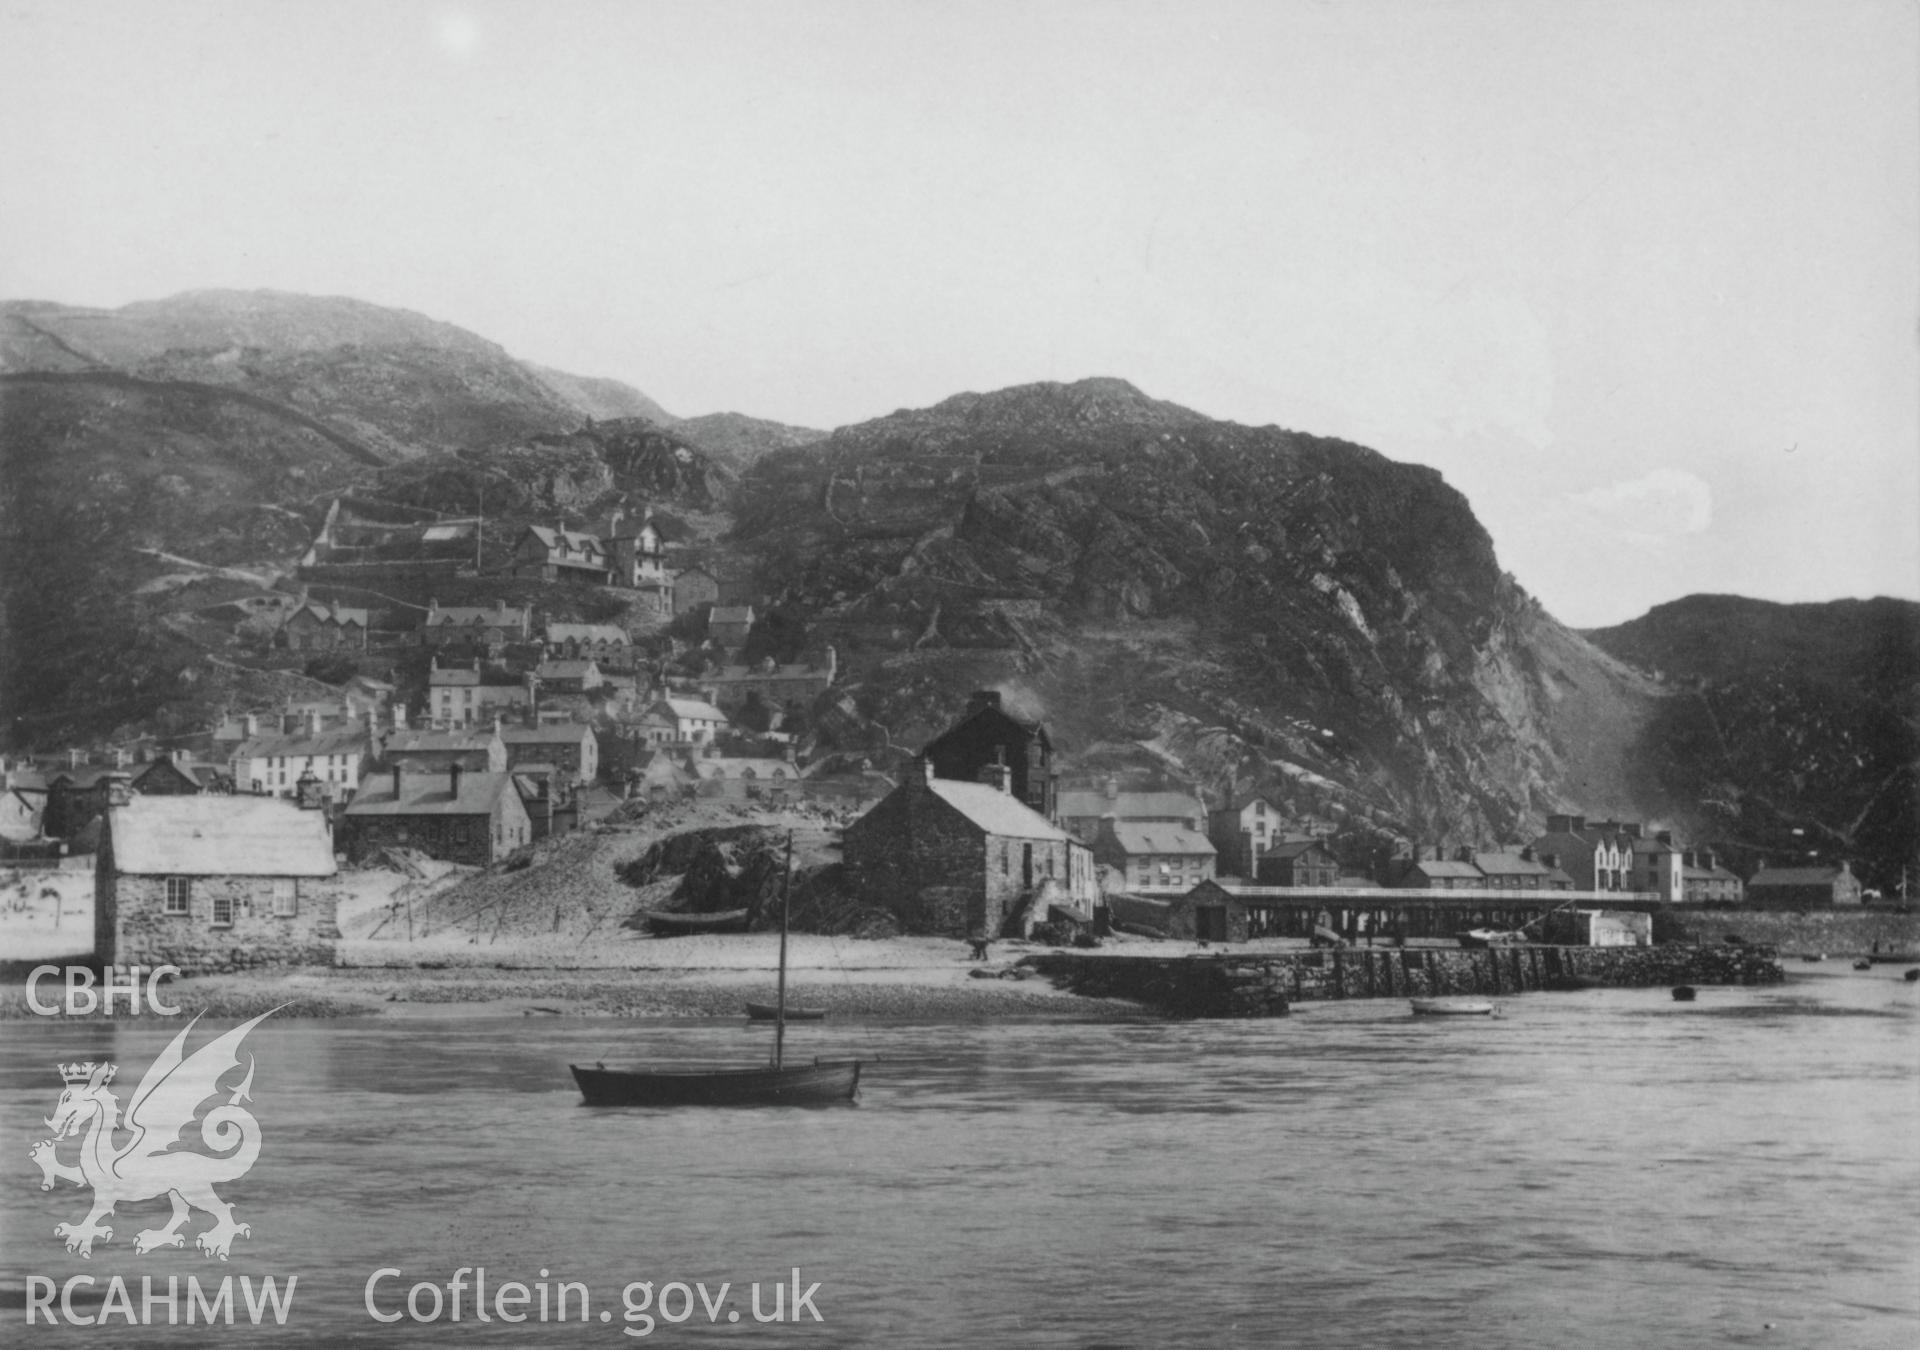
x: 1605, y: 1168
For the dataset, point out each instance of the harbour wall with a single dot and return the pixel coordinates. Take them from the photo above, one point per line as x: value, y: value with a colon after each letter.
x: 1228, y: 985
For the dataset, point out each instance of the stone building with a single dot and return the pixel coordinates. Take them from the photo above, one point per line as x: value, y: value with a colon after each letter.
x: 485, y: 627
x: 1436, y: 874
x: 1803, y: 887
x: 728, y: 625
x: 560, y: 554
x: 568, y: 677
x: 455, y: 815
x: 774, y: 684
x: 957, y: 857
x: 207, y: 883
x: 476, y: 749
x: 465, y: 695
x: 1241, y: 832
x: 570, y: 747
x: 1597, y: 856
x: 987, y: 734
x: 1522, y: 871
x: 1153, y: 855
x: 694, y: 587
x: 325, y: 628
x: 1298, y: 862
x: 1705, y: 882
x: 177, y: 775
x: 587, y: 641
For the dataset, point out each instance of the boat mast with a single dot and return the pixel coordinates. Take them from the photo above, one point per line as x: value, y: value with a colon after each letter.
x: 780, y: 1011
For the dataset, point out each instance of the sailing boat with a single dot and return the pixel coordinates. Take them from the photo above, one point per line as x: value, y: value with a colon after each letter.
x: 777, y: 1083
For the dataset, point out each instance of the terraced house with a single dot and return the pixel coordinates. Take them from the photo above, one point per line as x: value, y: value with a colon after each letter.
x: 273, y: 765
x: 324, y: 628
x: 479, y: 626
x: 456, y: 815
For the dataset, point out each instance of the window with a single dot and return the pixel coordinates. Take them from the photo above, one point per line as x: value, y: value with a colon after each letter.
x: 223, y: 911
x: 179, y: 894
x: 286, y: 897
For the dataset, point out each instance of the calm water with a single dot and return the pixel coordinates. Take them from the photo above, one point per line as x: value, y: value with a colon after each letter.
x: 1597, y: 1169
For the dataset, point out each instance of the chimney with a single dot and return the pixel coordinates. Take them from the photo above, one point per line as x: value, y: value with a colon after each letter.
x: 313, y: 722
x: 399, y: 715
x: 925, y: 775
x: 997, y: 776
x: 1526, y: 854
x: 981, y: 699
x: 1550, y: 861
x: 252, y: 723
x: 433, y: 609
x: 1463, y: 854
x: 75, y: 758
x: 1111, y: 788
x: 1708, y: 860
x: 500, y: 608
x: 453, y: 775
x: 396, y: 783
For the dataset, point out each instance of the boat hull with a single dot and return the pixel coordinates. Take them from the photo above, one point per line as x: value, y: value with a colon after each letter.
x: 1451, y: 1007
x: 770, y: 1012
x: 822, y: 1081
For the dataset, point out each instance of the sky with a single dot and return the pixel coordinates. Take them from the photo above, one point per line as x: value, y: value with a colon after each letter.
x: 1641, y: 278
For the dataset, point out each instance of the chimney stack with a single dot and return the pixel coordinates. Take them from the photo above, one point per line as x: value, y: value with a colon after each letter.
x: 453, y: 774
x: 926, y: 771
x: 313, y: 722
x: 396, y: 783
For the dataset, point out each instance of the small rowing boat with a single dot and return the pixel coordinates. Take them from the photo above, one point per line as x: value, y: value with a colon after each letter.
x: 770, y: 1012
x: 1451, y: 1007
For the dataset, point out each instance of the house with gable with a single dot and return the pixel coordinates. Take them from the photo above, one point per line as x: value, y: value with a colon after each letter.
x: 956, y: 857
x: 467, y: 695
x: 1298, y: 862
x: 205, y: 883
x: 1082, y: 809
x: 637, y: 559
x: 555, y: 553
x: 273, y: 764
x: 1599, y: 857
x: 987, y: 734
x: 1705, y: 881
x: 1153, y: 855
x: 453, y: 814
x: 587, y: 641
x: 325, y: 628
x: 479, y: 627
x: 1241, y: 832
x: 729, y: 625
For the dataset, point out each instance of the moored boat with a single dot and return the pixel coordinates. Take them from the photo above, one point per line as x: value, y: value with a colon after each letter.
x: 776, y: 1083
x: 663, y: 924
x: 770, y: 1012
x: 824, y: 1080
x: 1683, y: 993
x: 1451, y: 1007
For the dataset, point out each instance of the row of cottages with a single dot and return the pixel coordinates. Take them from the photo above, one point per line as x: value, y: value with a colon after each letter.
x: 603, y: 642
x: 476, y: 626
x: 956, y: 857
x: 1706, y: 882
x: 325, y: 628
x: 1467, y: 870
x: 180, y: 775
x: 212, y: 883
x: 453, y: 814
x: 274, y: 764
x: 774, y: 684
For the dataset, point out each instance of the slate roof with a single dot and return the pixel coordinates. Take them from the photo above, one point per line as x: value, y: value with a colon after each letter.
x: 1245, y: 799
x: 1564, y: 845
x: 731, y: 614
x: 566, y: 670
x: 1431, y: 868
x: 1794, y: 876
x: 1509, y: 865
x: 339, y: 614
x: 438, y: 742
x: 587, y: 632
x: 1154, y: 837
x: 1081, y: 803
x: 995, y: 811
x: 736, y: 767
x: 431, y: 794
x: 547, y: 733
x: 693, y: 707
x: 1291, y: 848
x: 477, y: 616
x: 220, y: 836
x: 299, y: 745
x: 1644, y: 845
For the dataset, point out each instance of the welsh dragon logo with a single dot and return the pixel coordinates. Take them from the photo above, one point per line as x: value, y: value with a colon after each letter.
x: 147, y: 1165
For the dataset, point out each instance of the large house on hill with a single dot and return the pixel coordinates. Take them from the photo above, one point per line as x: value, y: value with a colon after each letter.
x: 955, y: 857
x: 558, y: 554
x: 204, y: 882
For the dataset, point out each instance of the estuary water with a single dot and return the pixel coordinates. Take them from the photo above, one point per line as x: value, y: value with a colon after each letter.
x: 1607, y: 1168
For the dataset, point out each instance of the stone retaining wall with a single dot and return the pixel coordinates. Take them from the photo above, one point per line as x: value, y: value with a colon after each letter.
x: 1230, y: 985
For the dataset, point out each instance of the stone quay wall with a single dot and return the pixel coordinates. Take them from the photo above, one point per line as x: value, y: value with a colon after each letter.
x: 1228, y: 985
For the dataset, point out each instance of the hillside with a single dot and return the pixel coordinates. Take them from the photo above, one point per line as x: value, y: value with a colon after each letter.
x: 743, y: 439
x: 1243, y: 604
x: 1796, y: 727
